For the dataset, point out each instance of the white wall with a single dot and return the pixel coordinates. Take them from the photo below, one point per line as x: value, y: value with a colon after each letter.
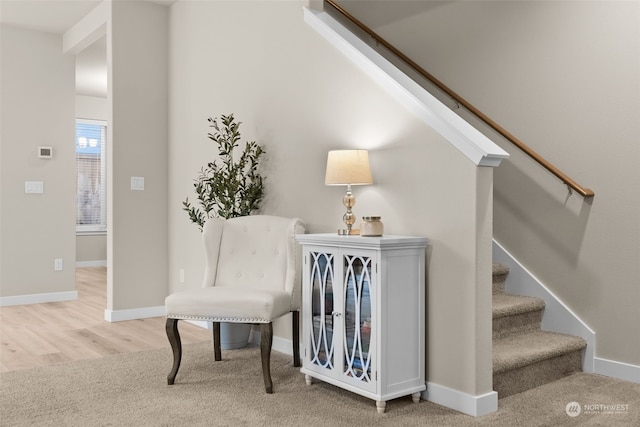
x: 92, y: 107
x: 565, y: 78
x: 300, y: 97
x: 37, y: 108
x: 137, y: 147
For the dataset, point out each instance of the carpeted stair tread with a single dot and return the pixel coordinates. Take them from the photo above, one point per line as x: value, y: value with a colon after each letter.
x: 512, y: 305
x: 520, y: 350
x: 500, y: 269
x: 515, y: 314
x: 500, y: 273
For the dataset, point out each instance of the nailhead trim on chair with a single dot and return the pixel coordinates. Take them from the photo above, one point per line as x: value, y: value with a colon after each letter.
x: 218, y: 319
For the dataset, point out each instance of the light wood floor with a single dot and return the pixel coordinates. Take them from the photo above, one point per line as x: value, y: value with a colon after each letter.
x: 51, y: 333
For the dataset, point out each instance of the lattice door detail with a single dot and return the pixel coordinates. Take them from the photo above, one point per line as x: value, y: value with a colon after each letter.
x: 357, y: 319
x: 322, y: 348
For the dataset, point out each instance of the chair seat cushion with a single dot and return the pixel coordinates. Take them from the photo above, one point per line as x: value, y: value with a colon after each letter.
x: 228, y: 304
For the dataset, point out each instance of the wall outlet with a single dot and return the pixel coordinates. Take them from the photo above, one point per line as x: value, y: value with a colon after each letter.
x: 182, y: 275
x: 57, y: 264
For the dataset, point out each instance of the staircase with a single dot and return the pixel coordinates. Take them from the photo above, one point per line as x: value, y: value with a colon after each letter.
x: 525, y: 356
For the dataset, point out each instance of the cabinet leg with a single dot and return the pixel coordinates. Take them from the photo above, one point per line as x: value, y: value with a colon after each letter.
x: 416, y: 397
x: 307, y: 379
x: 381, y: 405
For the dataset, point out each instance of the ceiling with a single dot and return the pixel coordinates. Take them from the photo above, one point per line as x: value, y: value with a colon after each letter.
x: 57, y: 16
x: 49, y: 16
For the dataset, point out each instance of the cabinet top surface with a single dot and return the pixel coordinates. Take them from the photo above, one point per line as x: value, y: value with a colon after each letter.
x: 365, y: 242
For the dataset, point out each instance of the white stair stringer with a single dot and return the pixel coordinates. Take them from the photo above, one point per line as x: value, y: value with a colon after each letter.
x: 457, y: 131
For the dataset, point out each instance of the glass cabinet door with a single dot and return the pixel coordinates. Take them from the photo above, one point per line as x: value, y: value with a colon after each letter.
x: 357, y: 319
x: 322, y: 319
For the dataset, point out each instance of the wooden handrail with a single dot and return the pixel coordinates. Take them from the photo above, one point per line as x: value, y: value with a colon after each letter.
x: 583, y: 191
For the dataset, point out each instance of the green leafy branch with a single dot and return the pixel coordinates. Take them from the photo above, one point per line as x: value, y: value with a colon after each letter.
x: 228, y: 187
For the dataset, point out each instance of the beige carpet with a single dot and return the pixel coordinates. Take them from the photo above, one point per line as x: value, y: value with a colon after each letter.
x: 131, y: 390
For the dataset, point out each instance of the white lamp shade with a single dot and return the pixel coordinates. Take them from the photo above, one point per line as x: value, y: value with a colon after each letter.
x: 346, y: 167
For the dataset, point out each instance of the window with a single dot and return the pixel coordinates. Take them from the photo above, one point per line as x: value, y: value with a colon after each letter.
x: 91, y: 183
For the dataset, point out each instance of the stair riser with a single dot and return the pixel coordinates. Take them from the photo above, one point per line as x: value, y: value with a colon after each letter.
x: 539, y: 373
x: 499, y: 283
x: 517, y: 324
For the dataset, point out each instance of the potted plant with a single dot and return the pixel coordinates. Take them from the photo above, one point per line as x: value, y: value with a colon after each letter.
x: 228, y: 187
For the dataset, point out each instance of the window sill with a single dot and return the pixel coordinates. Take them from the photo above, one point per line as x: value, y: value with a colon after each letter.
x: 91, y: 233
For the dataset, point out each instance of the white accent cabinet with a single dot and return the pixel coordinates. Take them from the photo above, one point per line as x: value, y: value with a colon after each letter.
x: 363, y: 315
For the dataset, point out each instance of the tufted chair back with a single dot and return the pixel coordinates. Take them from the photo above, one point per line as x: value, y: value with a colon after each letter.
x: 256, y: 251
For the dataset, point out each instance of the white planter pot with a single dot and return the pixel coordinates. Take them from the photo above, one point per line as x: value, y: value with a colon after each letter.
x: 234, y: 335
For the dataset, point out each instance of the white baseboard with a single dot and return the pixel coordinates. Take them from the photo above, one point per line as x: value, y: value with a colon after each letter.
x: 462, y: 402
x: 557, y: 316
x: 38, y: 298
x: 200, y: 323
x: 620, y: 370
x: 134, y: 313
x: 469, y: 404
x: 281, y: 345
x: 100, y: 263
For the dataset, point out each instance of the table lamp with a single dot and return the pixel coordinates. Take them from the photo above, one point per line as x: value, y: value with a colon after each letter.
x: 348, y: 167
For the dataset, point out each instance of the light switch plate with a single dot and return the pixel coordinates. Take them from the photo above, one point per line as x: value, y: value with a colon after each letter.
x: 34, y: 187
x: 137, y: 183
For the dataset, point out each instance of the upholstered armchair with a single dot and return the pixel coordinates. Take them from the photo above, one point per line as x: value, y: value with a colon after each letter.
x: 252, y: 275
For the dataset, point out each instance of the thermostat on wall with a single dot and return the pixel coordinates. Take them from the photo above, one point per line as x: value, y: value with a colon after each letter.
x: 45, y: 152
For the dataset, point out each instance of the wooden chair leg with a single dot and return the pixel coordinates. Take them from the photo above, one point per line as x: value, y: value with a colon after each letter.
x: 266, y: 339
x: 176, y: 345
x: 217, y: 353
x: 295, y: 325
